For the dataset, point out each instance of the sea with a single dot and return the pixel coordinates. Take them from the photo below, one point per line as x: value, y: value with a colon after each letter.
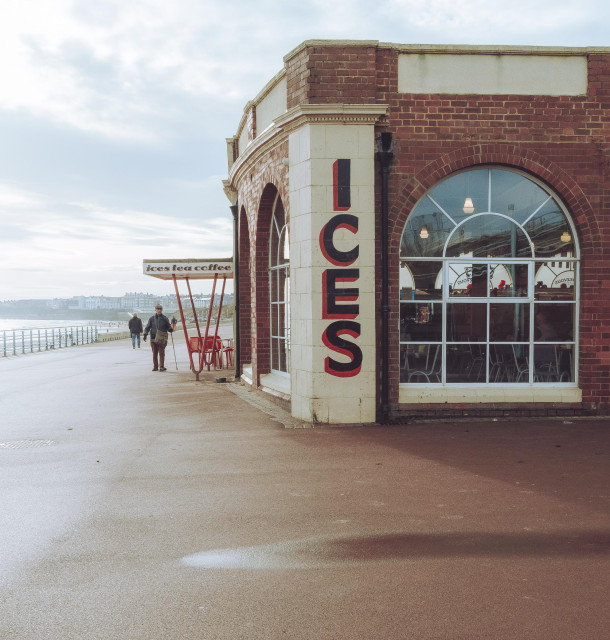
x: 27, y: 324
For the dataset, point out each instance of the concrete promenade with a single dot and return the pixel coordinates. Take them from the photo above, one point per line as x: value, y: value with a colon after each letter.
x: 147, y: 506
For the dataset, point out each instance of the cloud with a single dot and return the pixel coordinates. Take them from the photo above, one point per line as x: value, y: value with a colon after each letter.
x: 116, y: 68
x: 122, y: 69
x: 493, y: 21
x: 12, y: 199
x: 83, y: 247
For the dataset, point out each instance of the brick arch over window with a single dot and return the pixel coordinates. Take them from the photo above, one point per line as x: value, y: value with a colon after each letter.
x: 245, y: 290
x: 261, y: 335
x: 410, y: 191
x: 277, y: 177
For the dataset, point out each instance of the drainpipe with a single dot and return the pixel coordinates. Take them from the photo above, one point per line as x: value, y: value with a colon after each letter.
x: 385, y: 155
x: 236, y: 290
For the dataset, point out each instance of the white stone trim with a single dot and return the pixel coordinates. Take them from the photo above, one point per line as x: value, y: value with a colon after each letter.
x: 472, y: 395
x: 276, y: 384
x: 246, y: 375
x: 332, y: 114
x: 448, y: 48
x: 493, y: 49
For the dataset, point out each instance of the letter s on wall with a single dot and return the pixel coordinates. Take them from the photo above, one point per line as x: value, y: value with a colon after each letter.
x: 333, y: 340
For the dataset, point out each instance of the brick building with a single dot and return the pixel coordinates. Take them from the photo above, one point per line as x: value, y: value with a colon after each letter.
x: 422, y: 230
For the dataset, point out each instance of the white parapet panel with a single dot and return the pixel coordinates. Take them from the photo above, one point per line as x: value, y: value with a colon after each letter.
x: 271, y: 105
x: 497, y: 74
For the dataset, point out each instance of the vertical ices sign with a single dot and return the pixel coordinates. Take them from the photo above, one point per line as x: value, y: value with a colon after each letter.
x: 340, y: 302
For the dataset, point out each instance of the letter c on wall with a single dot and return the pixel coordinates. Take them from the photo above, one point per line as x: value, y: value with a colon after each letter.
x: 331, y: 253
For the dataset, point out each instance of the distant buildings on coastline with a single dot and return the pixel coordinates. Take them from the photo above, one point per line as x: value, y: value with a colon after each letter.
x: 129, y: 302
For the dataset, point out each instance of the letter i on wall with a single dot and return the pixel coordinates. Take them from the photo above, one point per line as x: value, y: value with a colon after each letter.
x: 341, y: 185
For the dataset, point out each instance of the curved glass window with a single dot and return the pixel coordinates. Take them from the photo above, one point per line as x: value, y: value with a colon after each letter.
x: 488, y: 284
x: 279, y: 287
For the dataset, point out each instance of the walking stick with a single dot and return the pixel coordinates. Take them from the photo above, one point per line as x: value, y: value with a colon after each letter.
x: 176, y: 361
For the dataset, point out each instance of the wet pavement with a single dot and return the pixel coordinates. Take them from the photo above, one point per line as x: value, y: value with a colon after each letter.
x: 148, y: 506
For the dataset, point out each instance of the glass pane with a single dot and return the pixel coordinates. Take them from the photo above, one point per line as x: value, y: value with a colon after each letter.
x: 420, y: 280
x: 276, y: 248
x: 281, y: 284
x: 274, y: 290
x: 273, y: 244
x: 406, y: 352
x: 550, y: 232
x: 281, y: 317
x: 426, y: 231
x: 509, y: 280
x: 420, y: 321
x: 467, y: 322
x: 452, y: 193
x: 565, y: 362
x: 275, y: 359
x: 509, y: 322
x: 521, y: 354
x: 287, y: 304
x: 554, y: 280
x: 554, y: 322
x: 515, y: 195
x: 489, y: 236
x: 281, y: 345
x: 285, y: 245
x: 546, y: 363
x: 420, y: 363
x: 502, y: 363
x: 468, y: 280
x: 275, y: 323
x: 466, y: 363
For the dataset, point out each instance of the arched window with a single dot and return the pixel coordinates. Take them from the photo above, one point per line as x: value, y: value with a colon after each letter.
x: 279, y: 288
x: 488, y: 284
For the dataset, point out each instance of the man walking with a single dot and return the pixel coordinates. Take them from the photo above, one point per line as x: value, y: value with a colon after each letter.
x: 135, y: 328
x: 158, y: 323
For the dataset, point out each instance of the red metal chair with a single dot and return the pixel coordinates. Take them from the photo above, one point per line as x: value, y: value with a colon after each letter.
x: 209, y: 349
x: 228, y: 350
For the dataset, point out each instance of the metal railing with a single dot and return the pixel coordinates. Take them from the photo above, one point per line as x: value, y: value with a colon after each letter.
x: 20, y: 341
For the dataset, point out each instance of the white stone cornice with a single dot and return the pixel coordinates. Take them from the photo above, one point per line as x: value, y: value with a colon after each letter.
x: 229, y: 192
x: 492, y: 49
x: 332, y: 113
x: 296, y: 117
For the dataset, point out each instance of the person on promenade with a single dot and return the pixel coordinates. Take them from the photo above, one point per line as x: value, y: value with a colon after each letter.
x: 158, y: 322
x: 135, y: 328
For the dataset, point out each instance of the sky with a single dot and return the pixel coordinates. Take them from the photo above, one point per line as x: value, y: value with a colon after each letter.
x: 114, y: 115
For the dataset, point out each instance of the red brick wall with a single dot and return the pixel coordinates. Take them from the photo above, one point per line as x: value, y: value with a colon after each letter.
x: 297, y: 79
x: 342, y: 74
x: 563, y: 141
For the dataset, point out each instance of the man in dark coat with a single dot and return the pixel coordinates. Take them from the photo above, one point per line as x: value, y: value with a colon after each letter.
x: 135, y: 328
x: 158, y: 322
